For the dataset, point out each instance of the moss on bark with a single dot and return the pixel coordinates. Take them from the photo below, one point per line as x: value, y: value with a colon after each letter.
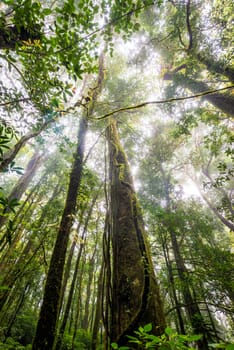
x: 135, y: 298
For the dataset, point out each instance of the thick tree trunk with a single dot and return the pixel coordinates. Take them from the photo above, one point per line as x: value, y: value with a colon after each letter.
x: 135, y: 299
x: 46, y: 327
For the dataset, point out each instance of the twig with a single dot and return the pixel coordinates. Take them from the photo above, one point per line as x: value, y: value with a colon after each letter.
x: 15, y: 101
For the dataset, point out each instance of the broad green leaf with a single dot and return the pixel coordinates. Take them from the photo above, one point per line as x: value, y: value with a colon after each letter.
x: 148, y: 327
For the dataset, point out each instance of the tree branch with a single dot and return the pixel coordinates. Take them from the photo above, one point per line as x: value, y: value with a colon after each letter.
x: 190, y: 34
x: 26, y: 99
x: 170, y: 100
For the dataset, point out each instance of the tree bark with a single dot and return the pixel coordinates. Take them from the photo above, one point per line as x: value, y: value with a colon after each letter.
x: 23, y: 183
x: 97, y: 317
x: 46, y: 327
x: 135, y: 293
x: 74, y: 278
x: 216, y: 66
x: 172, y: 289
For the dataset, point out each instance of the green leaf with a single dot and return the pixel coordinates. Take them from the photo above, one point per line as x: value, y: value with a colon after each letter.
x: 169, y: 331
x: 46, y: 12
x: 114, y: 345
x: 230, y: 347
x: 148, y: 327
x: 194, y: 337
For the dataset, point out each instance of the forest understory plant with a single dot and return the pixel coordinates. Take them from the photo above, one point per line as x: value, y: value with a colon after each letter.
x: 169, y: 340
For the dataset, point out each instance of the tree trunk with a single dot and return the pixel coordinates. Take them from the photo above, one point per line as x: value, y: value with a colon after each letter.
x: 46, y: 327
x: 191, y: 306
x: 225, y: 221
x: 224, y: 102
x: 74, y: 278
x: 135, y: 293
x: 172, y: 289
x: 85, y: 321
x: 79, y: 303
x: 216, y: 66
x: 97, y: 317
x: 23, y: 183
x: 10, y: 156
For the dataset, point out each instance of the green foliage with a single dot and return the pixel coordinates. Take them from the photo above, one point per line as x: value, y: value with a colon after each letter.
x: 7, y: 134
x: 169, y: 340
x: 6, y: 204
x: 11, y: 344
x: 222, y: 346
x: 82, y: 341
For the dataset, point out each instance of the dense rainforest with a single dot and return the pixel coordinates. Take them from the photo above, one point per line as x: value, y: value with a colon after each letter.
x: 116, y: 174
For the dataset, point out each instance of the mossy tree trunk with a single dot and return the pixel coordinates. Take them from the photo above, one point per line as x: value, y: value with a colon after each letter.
x: 135, y: 293
x: 46, y: 327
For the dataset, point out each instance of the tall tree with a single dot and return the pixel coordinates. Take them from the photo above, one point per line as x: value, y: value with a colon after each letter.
x: 135, y: 293
x: 46, y: 328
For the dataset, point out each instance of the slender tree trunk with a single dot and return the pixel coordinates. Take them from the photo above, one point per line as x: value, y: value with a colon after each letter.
x: 135, y: 293
x: 23, y: 183
x: 46, y: 327
x: 174, y: 297
x: 85, y: 321
x: 69, y: 300
x: 226, y: 222
x: 191, y: 306
x: 72, y: 249
x: 10, y: 156
x: 68, y: 267
x: 10, y: 279
x: 79, y: 303
x: 17, y: 309
x: 76, y: 270
x: 98, y: 316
